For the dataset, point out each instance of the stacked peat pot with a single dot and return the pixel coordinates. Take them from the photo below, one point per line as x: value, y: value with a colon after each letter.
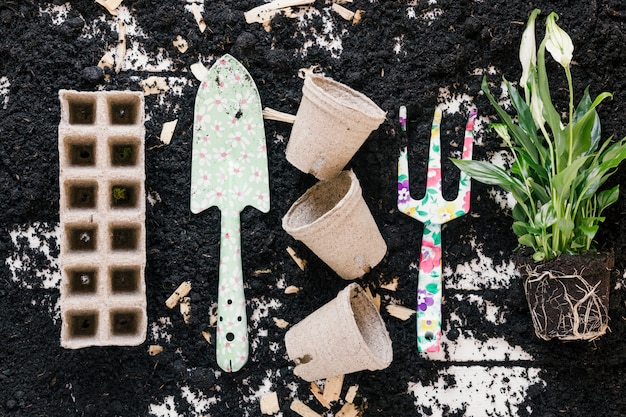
x: 347, y: 334
x: 556, y: 178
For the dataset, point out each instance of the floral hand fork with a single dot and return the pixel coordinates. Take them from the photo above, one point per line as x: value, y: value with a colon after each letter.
x: 433, y: 211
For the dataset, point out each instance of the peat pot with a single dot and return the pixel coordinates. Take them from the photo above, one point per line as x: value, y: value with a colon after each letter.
x: 568, y: 296
x: 331, y: 124
x: 333, y: 220
x: 345, y: 335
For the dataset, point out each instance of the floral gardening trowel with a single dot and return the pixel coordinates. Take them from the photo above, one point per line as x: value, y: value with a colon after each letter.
x: 229, y: 170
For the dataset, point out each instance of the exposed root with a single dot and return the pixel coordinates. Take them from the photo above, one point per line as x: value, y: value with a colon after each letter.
x: 565, y: 307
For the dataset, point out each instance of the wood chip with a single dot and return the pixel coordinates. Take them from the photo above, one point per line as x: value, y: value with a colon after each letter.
x: 299, y: 261
x: 154, y: 350
x: 351, y: 394
x: 280, y: 323
x: 358, y: 15
x: 292, y: 289
x: 343, y: 12
x: 167, y: 131
x: 213, y: 318
x: 317, y: 393
x: 303, y: 410
x: 154, y: 85
x: 271, y: 114
x: 375, y: 298
x: 207, y: 336
x: 185, y: 309
x: 121, y: 46
x: 199, y: 71
x: 180, y: 292
x: 107, y: 62
x: 195, y: 9
x: 348, y: 410
x: 110, y: 5
x: 269, y: 404
x: 180, y: 44
x: 267, y: 11
x: 391, y: 286
x: 400, y: 312
x: 332, y: 388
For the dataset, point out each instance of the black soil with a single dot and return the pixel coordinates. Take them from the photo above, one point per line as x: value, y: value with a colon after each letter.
x: 39, y: 57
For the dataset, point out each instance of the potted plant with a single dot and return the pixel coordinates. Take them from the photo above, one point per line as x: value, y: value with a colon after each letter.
x: 555, y: 177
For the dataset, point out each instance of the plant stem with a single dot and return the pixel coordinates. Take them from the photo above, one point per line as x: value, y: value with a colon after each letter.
x: 552, y: 157
x: 570, y: 85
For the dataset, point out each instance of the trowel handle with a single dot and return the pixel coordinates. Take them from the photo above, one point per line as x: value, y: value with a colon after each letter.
x: 232, y: 326
x: 429, y: 290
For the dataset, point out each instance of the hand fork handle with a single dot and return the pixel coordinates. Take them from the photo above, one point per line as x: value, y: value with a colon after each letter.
x: 429, y: 290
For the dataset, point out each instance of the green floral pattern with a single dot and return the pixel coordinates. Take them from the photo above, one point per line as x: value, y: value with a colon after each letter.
x: 229, y: 170
x: 433, y: 211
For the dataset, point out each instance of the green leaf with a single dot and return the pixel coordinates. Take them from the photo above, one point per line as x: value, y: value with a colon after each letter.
x: 539, y: 192
x: 597, y: 175
x: 562, y: 182
x: 524, y: 167
x: 491, y: 174
x: 589, y: 231
x: 527, y: 240
x: 519, y: 213
x: 546, y: 216
x: 502, y: 131
x: 578, y: 244
x: 566, y: 227
x: 520, y: 228
x: 539, y: 256
x: 518, y: 133
x: 586, y: 129
x: 607, y: 197
x: 524, y: 117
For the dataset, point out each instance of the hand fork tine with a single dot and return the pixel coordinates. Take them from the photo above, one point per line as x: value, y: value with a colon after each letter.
x: 432, y: 210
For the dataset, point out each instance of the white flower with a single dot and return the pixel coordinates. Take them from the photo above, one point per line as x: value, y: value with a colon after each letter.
x: 235, y: 170
x: 219, y: 194
x: 204, y: 177
x: 257, y: 176
x: 241, y: 192
x: 244, y: 99
x: 220, y: 153
x: 238, y: 140
x: 528, y: 51
x: 201, y: 155
x: 215, y: 103
x: 202, y: 119
x: 558, y: 42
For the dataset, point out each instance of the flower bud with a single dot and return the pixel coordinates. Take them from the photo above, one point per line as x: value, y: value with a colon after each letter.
x: 528, y: 51
x: 558, y: 42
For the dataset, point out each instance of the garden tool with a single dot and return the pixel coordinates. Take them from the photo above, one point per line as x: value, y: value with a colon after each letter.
x: 432, y: 210
x: 229, y: 170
